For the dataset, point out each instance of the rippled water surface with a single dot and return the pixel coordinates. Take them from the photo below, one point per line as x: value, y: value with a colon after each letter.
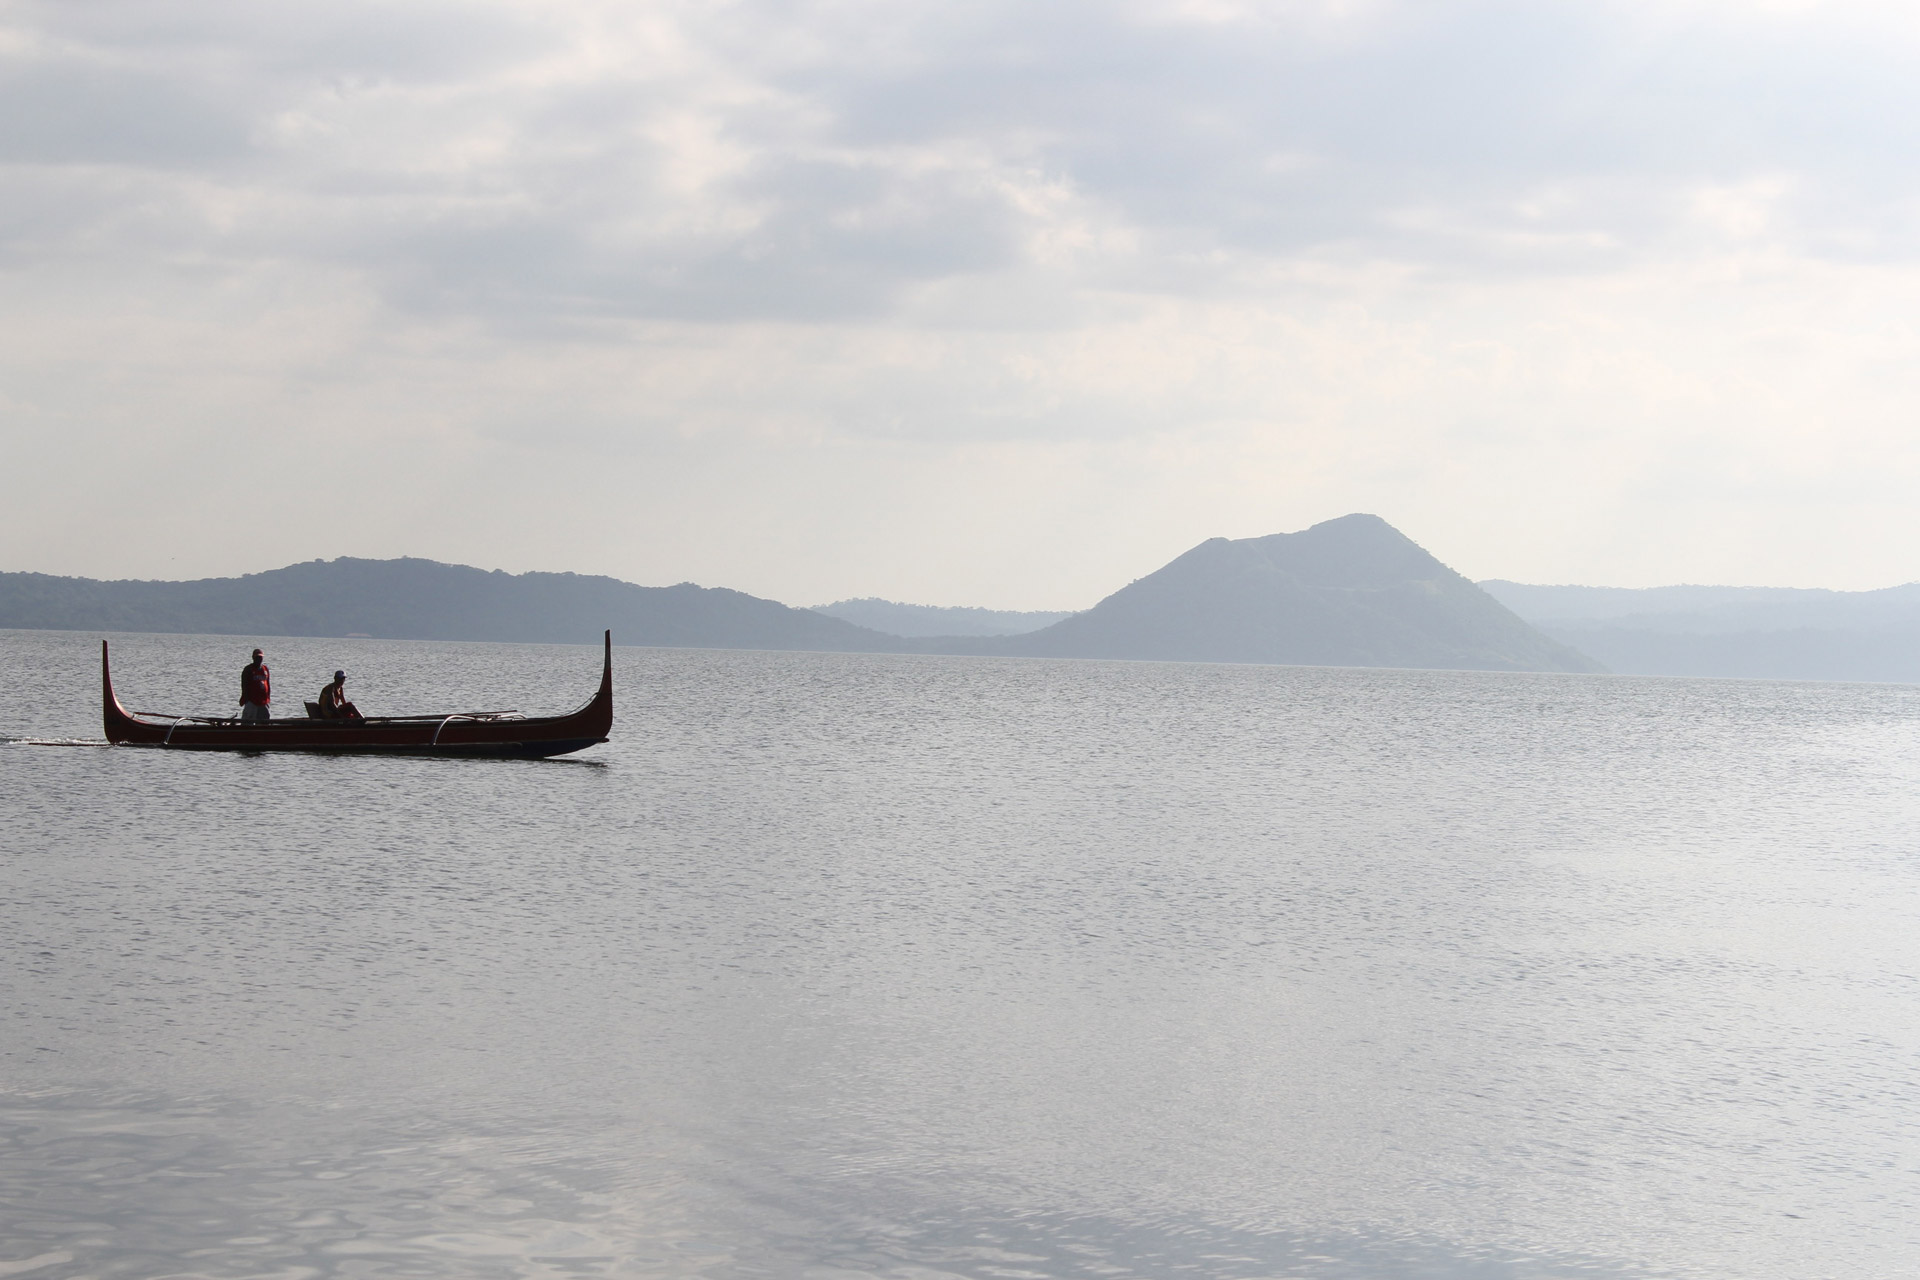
x: 841, y: 965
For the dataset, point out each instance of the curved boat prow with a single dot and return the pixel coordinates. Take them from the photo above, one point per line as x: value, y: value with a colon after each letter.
x: 113, y: 716
x: 598, y: 713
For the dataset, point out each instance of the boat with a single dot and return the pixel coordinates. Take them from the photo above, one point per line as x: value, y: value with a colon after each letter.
x: 452, y: 733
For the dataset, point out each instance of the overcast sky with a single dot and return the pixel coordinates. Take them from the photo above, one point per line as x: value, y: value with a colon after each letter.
x: 971, y: 303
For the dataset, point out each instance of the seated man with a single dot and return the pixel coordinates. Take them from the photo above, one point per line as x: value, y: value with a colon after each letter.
x: 333, y: 700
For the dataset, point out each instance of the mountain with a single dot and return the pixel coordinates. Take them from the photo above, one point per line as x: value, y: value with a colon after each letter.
x: 424, y: 600
x: 1779, y: 633
x: 896, y: 619
x: 1350, y: 592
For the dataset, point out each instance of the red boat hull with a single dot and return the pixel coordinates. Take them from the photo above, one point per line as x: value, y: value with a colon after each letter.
x: 454, y: 734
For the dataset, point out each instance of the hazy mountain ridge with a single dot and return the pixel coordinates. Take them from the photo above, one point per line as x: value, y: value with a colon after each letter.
x: 896, y: 619
x: 1781, y: 633
x: 1347, y: 592
x: 411, y: 599
x: 1706, y: 608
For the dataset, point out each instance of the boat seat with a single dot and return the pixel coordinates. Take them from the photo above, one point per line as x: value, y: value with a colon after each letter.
x: 313, y: 711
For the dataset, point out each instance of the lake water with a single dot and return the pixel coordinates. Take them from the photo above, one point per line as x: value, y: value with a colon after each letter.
x: 839, y: 965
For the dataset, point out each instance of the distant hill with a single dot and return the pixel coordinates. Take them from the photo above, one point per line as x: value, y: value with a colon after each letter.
x: 1781, y: 633
x: 1348, y: 592
x: 424, y: 600
x: 896, y: 619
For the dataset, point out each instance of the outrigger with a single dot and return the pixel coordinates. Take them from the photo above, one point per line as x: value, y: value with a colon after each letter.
x: 456, y: 733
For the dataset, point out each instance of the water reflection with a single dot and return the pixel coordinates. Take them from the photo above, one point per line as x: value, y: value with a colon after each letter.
x: 147, y: 1186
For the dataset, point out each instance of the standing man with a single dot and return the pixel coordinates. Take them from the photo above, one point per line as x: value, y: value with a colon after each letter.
x: 256, y: 690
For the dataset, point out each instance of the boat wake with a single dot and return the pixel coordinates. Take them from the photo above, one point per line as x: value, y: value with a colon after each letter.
x: 54, y: 742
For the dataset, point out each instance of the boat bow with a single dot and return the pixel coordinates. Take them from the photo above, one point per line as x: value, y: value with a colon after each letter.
x: 114, y: 717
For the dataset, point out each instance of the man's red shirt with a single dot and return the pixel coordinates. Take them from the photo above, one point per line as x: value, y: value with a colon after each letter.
x: 256, y: 686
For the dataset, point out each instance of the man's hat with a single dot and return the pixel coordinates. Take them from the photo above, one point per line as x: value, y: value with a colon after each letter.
x: 256, y: 653
x: 339, y: 675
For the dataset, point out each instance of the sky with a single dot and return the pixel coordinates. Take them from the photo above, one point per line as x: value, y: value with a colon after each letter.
x: 960, y: 303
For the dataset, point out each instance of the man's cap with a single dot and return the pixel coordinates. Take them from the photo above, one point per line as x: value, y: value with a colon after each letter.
x: 256, y: 653
x: 339, y: 675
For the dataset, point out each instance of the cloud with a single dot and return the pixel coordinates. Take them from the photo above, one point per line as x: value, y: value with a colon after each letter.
x: 1206, y: 266
x: 825, y: 160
